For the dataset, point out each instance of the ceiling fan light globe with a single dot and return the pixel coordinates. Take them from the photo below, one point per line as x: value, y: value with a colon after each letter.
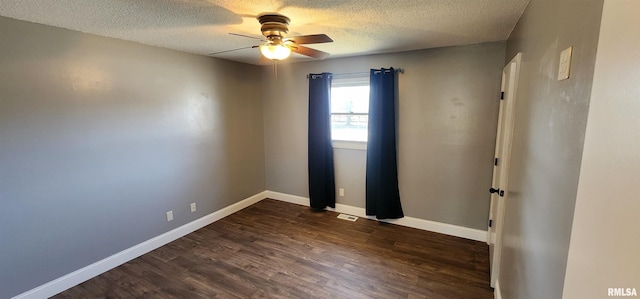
x: 275, y: 51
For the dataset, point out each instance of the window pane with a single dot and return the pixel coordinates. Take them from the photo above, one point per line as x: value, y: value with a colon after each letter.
x: 349, y: 127
x: 350, y: 99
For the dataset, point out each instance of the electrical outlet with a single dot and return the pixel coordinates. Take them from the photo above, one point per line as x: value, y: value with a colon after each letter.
x: 193, y: 207
x: 169, y: 215
x: 341, y: 191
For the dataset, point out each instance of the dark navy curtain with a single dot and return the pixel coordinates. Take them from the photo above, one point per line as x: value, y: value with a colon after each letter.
x: 321, y: 174
x: 382, y: 193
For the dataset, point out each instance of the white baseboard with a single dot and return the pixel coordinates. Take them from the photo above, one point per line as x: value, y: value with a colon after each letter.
x: 428, y: 225
x: 74, y: 278
x: 299, y: 200
x: 496, y: 291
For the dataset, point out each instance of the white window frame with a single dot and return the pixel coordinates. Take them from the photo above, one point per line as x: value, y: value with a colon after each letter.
x: 346, y: 80
x: 348, y: 144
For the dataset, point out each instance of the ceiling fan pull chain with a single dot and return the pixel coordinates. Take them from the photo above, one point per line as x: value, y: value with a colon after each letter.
x: 275, y: 68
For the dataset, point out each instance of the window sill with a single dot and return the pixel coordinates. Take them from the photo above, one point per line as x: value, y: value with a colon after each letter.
x: 354, y: 145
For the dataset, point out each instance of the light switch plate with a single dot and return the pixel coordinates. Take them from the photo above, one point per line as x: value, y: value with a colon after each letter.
x: 564, y: 66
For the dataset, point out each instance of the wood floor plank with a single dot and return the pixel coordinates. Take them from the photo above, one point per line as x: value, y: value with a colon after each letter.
x: 274, y: 249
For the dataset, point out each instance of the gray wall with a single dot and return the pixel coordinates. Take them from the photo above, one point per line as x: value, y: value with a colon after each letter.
x: 604, y: 240
x: 100, y: 137
x: 448, y: 106
x: 550, y: 123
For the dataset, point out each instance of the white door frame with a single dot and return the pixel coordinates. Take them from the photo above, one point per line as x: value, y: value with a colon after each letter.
x: 504, y: 136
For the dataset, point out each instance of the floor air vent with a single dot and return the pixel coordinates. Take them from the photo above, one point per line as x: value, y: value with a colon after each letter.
x: 348, y: 217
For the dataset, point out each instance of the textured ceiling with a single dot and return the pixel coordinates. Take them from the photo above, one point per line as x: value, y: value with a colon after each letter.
x: 357, y: 26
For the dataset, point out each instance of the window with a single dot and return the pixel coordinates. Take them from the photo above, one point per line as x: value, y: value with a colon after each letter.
x: 350, y: 109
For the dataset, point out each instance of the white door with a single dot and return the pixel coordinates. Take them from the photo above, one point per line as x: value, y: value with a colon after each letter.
x: 501, y: 164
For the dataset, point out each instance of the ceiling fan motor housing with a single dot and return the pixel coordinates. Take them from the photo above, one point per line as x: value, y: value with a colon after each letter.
x: 274, y: 25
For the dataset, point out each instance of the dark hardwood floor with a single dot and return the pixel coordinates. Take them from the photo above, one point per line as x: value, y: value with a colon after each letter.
x: 280, y: 250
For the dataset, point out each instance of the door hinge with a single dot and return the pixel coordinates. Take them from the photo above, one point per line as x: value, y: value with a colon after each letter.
x: 490, y: 223
x: 495, y: 162
x: 502, y: 95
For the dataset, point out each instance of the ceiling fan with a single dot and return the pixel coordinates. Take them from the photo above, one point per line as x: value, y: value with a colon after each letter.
x: 277, y: 46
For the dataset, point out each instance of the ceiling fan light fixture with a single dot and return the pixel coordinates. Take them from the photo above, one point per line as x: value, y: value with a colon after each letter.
x: 277, y: 46
x: 275, y: 51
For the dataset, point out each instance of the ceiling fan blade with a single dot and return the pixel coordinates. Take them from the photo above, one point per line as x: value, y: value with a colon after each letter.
x: 309, y: 52
x: 247, y: 36
x: 216, y: 53
x: 310, y: 39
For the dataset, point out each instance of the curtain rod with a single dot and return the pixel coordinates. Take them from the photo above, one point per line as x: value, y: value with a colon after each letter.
x: 398, y: 70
